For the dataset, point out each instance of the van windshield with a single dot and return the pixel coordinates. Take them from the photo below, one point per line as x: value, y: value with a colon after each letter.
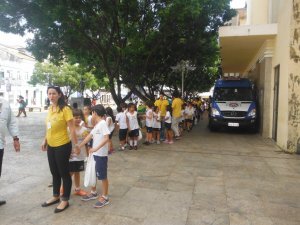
x: 233, y: 94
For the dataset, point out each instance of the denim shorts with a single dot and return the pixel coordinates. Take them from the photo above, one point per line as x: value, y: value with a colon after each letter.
x: 168, y: 126
x: 134, y: 133
x: 149, y: 129
x: 122, y: 134
x: 101, y: 167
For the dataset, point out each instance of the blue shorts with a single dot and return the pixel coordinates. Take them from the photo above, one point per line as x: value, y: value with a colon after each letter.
x: 101, y: 167
x: 122, y: 134
x: 168, y: 126
x: 149, y: 129
x: 134, y: 133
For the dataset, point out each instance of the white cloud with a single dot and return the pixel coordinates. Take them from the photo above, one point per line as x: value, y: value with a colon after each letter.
x: 13, y: 39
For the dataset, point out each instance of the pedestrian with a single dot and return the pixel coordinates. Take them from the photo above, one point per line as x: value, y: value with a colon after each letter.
x: 162, y: 104
x: 168, y: 125
x: 149, y: 123
x: 133, y: 126
x: 88, y: 123
x: 122, y: 123
x: 156, y: 124
x: 22, y: 106
x: 77, y: 159
x: 110, y: 121
x: 176, y: 114
x: 58, y: 146
x: 100, y: 135
x: 7, y: 120
x: 189, y: 113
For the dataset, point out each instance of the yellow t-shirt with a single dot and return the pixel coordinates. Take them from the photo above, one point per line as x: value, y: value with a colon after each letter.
x: 57, y: 128
x: 162, y: 105
x: 177, y: 105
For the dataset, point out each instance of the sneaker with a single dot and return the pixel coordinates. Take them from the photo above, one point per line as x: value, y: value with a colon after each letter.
x: 90, y: 196
x: 135, y: 147
x: 102, y: 202
x: 158, y: 142
x: 80, y: 192
x: 130, y: 147
x: 177, y: 138
x: 146, y: 143
x: 171, y: 142
x: 166, y: 142
x: 121, y: 149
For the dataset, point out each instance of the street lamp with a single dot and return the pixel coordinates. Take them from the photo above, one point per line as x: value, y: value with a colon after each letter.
x: 183, y: 66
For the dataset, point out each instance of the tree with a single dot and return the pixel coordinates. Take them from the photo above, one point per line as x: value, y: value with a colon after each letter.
x: 132, y: 42
x: 72, y: 77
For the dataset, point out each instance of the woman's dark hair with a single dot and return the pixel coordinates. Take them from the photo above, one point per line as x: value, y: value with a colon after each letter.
x: 61, y: 101
x: 119, y: 109
x: 155, y: 108
x: 110, y: 113
x: 78, y: 112
x: 99, y: 110
x: 130, y: 105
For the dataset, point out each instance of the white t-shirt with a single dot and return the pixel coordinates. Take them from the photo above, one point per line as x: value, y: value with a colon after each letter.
x: 98, y: 133
x: 121, y: 119
x: 110, y: 124
x: 189, y: 112
x: 168, y: 117
x: 156, y: 120
x: 149, y: 122
x: 182, y: 115
x: 133, y: 121
x: 80, y: 134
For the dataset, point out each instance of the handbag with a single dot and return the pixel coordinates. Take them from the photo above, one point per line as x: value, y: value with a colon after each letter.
x: 140, y: 137
x: 90, y: 172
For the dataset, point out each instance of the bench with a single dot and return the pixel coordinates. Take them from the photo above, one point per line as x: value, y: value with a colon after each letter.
x: 31, y: 108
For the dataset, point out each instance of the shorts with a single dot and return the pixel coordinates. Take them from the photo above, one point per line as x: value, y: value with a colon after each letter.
x: 134, y: 133
x: 156, y: 129
x: 101, y: 167
x: 111, y: 134
x: 1, y: 158
x: 123, y: 134
x: 168, y: 126
x: 149, y: 129
x: 76, y: 166
x: 189, y: 120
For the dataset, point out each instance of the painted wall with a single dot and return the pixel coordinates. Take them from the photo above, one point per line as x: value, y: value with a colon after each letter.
x: 281, y: 57
x: 293, y: 143
x: 257, y: 12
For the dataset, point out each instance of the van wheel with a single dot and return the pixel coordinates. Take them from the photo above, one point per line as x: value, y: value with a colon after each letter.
x: 212, y: 127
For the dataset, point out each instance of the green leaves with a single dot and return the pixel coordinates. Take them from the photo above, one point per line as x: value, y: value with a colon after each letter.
x: 127, y: 42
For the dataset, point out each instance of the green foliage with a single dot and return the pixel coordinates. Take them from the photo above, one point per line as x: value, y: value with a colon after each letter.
x: 130, y: 42
x: 72, y: 76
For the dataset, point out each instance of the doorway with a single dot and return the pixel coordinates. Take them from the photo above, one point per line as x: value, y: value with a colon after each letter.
x: 275, y: 102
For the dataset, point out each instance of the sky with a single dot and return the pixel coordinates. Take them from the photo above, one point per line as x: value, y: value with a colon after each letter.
x: 11, y: 39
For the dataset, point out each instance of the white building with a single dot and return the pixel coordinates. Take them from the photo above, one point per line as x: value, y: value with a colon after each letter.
x: 16, y: 68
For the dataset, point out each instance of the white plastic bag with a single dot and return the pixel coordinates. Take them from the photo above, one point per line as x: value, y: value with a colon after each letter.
x: 90, y: 172
x: 140, y: 135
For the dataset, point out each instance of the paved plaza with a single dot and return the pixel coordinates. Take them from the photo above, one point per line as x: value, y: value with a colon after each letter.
x: 204, y: 179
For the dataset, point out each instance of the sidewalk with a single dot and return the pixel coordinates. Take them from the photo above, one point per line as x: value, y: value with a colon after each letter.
x: 205, y: 178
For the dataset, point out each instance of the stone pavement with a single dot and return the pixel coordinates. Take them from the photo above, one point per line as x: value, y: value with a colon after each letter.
x: 206, y: 178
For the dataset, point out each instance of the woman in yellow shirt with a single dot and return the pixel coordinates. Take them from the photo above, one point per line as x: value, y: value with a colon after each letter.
x: 58, y: 146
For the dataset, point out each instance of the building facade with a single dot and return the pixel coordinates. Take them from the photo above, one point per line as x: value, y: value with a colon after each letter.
x: 265, y: 47
x: 16, y: 68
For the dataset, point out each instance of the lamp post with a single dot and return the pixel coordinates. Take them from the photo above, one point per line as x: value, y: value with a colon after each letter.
x: 183, y: 66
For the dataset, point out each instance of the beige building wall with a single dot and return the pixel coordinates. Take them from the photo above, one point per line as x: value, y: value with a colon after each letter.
x: 293, y: 143
x: 281, y: 57
x: 257, y: 12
